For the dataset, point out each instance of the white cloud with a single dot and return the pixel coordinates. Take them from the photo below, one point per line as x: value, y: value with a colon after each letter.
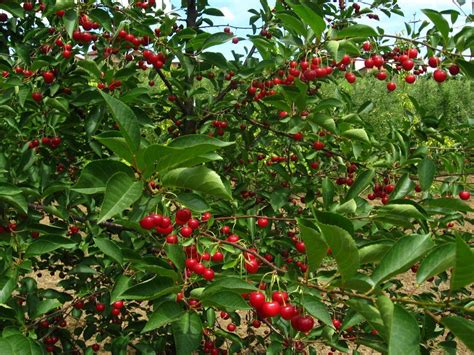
x: 227, y: 13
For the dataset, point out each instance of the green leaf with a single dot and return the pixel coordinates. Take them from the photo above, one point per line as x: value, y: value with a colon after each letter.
x: 212, y: 11
x: 278, y: 199
x: 176, y: 254
x: 315, y: 245
x: 466, y: 67
x: 228, y: 300
x: 44, y: 307
x: 216, y: 39
x: 90, y: 66
x: 374, y: 252
x: 18, y: 344
x: 110, y: 248
x: 403, y: 333
x: 403, y: 210
x: 323, y: 120
x: 340, y: 48
x: 344, y: 249
x: 438, y: 260
x: 49, y: 243
x: 463, y: 272
x: 316, y: 308
x: 230, y: 283
x: 369, y: 312
x: 70, y: 21
x: 14, y: 8
x: 363, y: 180
x: 403, y: 187
x: 448, y: 203
x: 426, y: 173
x: 356, y: 133
x: 95, y: 175
x: 328, y: 192
x: 292, y: 23
x: 187, y: 333
x: 181, y: 152
x: 120, y: 193
x: 165, y: 314
x: 213, y: 58
x: 18, y: 201
x: 199, y: 179
x: 335, y: 219
x: 126, y: 120
x: 102, y: 17
x: 404, y: 253
x: 117, y: 144
x: 357, y: 30
x: 193, y: 201
x: 309, y: 17
x: 7, y: 286
x: 461, y: 328
x: 151, y: 289
x: 439, y: 21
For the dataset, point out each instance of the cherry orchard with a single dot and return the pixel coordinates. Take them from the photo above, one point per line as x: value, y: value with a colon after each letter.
x: 179, y: 201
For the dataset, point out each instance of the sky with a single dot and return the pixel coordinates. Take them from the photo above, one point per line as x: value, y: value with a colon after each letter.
x: 236, y: 14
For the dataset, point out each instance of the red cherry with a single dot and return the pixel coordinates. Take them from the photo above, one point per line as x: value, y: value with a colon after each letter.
x: 191, y: 263
x: 300, y: 247
x: 231, y: 327
x: 366, y: 46
x: 287, y: 312
x: 37, y: 96
x: 453, y: 69
x: 298, y: 136
x: 350, y: 77
x: 318, y: 145
x: 280, y: 296
x: 336, y: 323
x: 270, y: 309
x: 262, y: 222
x: 172, y: 239
x: 48, y: 77
x: 381, y: 75
x: 433, y: 62
x: 256, y: 299
x: 233, y: 238
x: 206, y: 216
x: 118, y: 304
x: 391, y: 86
x: 465, y: 195
x: 410, y: 79
x: 28, y: 6
x: 418, y: 188
x: 235, y: 40
x: 408, y: 64
x: 193, y: 223
x: 252, y: 266
x: 225, y: 229
x: 208, y: 274
x: 389, y: 188
x: 95, y: 347
x: 183, y: 214
x: 147, y: 222
x: 186, y: 231
x: 302, y: 323
x: 79, y: 304
x: 256, y: 323
x: 283, y: 114
x: 440, y: 75
x: 100, y: 307
x: 412, y: 53
x: 199, y: 268
x: 218, y: 257
x: 115, y: 311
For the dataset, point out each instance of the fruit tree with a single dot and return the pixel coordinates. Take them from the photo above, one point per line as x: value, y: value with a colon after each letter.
x: 158, y: 196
